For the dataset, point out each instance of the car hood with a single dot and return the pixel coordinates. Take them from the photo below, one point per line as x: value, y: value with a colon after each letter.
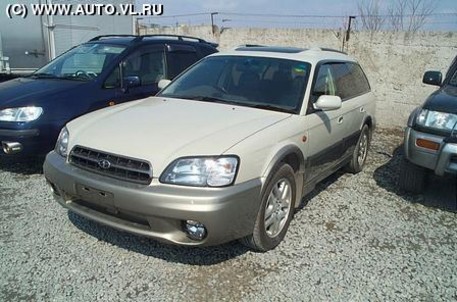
x: 444, y: 100
x: 29, y: 92
x: 162, y: 129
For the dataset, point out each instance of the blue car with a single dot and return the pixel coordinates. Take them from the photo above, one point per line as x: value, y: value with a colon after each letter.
x: 105, y: 71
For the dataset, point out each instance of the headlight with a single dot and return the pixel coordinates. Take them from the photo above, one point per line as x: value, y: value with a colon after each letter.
x: 413, y: 116
x: 436, y: 120
x: 201, y: 171
x: 62, y: 142
x: 21, y: 114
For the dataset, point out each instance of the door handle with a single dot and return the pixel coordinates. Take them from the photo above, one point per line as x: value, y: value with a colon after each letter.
x: 362, y: 109
x: 340, y: 120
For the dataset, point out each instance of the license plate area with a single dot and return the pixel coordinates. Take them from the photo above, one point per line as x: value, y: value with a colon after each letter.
x: 94, y: 195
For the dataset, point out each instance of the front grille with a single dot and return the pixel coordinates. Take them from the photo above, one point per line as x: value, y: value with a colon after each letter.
x: 111, y: 165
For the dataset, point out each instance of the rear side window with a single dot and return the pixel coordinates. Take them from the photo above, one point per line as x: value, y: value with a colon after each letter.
x: 344, y: 79
x: 206, y: 51
x: 350, y: 80
x: 180, y: 60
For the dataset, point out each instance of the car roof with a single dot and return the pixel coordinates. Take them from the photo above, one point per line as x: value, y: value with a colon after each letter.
x: 134, y: 39
x: 311, y: 55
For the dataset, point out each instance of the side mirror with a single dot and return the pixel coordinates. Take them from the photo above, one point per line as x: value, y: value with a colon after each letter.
x: 130, y: 82
x: 163, y: 83
x: 432, y: 78
x: 328, y: 102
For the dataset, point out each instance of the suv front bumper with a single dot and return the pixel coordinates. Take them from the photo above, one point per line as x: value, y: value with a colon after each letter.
x: 441, y: 161
x: 158, y: 211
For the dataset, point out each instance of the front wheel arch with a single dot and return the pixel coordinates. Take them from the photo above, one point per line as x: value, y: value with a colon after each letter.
x: 292, y: 156
x: 273, y: 210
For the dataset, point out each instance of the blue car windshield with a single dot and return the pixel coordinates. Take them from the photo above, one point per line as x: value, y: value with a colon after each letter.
x: 82, y: 63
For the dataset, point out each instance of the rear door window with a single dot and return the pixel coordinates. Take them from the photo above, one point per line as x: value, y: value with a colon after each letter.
x: 350, y: 80
x: 179, y: 57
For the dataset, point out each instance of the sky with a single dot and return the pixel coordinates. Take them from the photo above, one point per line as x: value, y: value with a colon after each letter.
x: 230, y: 12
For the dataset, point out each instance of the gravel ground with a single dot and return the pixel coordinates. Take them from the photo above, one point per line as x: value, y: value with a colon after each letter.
x: 356, y: 239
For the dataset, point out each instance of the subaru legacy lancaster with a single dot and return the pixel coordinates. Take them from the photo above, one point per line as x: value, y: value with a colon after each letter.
x: 225, y: 151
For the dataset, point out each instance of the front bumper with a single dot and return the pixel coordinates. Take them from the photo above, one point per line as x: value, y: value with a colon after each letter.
x: 158, y: 211
x: 32, y: 141
x: 441, y: 161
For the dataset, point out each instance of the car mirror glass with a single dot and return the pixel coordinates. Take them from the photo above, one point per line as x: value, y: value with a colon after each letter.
x: 432, y: 78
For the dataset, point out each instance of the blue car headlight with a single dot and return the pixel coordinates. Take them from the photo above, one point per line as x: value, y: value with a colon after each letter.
x: 20, y: 114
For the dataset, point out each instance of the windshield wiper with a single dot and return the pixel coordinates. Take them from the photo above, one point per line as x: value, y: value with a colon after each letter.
x: 73, y: 78
x: 223, y: 101
x: 42, y: 75
x: 212, y: 99
x: 202, y: 99
x: 271, y: 107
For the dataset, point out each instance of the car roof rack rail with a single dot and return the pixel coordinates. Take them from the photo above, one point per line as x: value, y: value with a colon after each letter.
x: 137, y: 38
x: 266, y: 48
x: 328, y: 49
x: 177, y: 37
x: 248, y: 45
x: 98, y: 38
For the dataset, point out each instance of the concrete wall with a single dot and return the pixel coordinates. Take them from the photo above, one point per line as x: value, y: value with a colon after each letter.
x: 393, y: 62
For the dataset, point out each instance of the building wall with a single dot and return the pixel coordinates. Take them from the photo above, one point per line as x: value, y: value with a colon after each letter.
x: 393, y: 62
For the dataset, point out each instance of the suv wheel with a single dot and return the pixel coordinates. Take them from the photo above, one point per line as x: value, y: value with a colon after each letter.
x: 360, y: 154
x: 276, y: 211
x: 412, y: 177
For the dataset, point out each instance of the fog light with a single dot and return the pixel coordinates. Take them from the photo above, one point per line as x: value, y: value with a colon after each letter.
x: 53, y: 188
x: 195, y: 230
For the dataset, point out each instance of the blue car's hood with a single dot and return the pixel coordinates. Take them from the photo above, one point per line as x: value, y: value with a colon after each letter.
x: 28, y: 91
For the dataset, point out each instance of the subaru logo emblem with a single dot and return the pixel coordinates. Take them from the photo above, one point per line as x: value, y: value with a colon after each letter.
x: 104, y: 164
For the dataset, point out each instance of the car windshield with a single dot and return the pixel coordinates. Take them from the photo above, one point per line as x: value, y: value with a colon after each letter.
x: 82, y: 63
x: 267, y: 83
x: 453, y: 80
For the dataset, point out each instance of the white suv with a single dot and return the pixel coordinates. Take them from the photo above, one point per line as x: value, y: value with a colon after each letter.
x: 226, y: 151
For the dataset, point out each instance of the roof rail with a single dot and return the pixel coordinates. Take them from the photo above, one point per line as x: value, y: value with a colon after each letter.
x: 177, y: 37
x: 334, y: 50
x: 98, y: 38
x: 140, y: 38
x: 328, y: 49
x: 280, y: 49
x: 248, y: 45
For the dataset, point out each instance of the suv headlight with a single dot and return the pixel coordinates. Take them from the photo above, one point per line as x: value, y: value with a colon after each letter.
x: 437, y: 120
x: 21, y: 114
x: 62, y: 142
x: 201, y: 171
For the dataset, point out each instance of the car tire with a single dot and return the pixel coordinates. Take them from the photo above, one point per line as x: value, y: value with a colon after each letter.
x: 411, y: 177
x: 276, y: 211
x: 359, y: 157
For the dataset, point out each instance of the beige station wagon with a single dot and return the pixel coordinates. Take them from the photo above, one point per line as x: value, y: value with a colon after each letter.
x: 226, y: 151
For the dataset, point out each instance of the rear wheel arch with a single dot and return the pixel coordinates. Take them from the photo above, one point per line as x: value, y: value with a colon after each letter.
x: 368, y: 121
